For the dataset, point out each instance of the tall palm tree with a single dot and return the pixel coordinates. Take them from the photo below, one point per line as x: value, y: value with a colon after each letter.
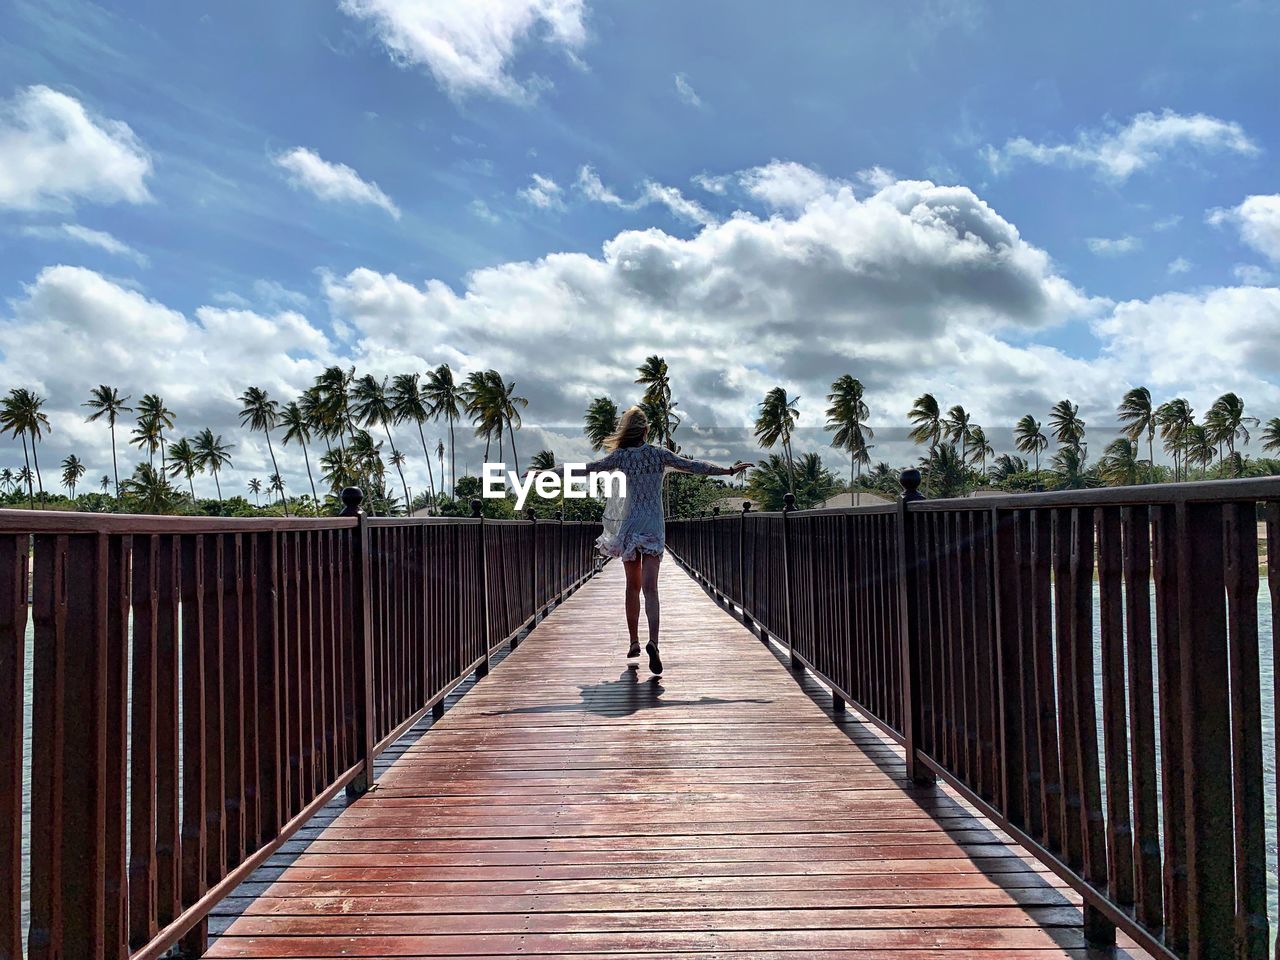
x: 25, y: 478
x: 1138, y: 414
x: 1067, y: 427
x: 1119, y: 465
x: 1271, y: 436
x: 106, y: 402
x: 297, y: 427
x: 440, y: 460
x: 509, y: 407
x: 149, y: 491
x: 338, y: 469
x: 445, y: 398
x: 1227, y: 423
x: 926, y: 418
x: 482, y: 394
x: 777, y: 417
x: 979, y: 447
x: 654, y: 376
x: 259, y: 412
x: 105, y: 483
x: 1175, y: 418
x: 410, y: 406
x: 184, y: 461
x: 212, y: 455
x: 1029, y: 438
x: 255, y: 487
x: 371, y: 406
x: 847, y: 418
x: 6, y: 479
x: 276, y: 483
x: 945, y: 472
x: 600, y: 421
x: 1198, y: 448
x: 72, y: 471
x: 22, y: 415
x: 330, y: 403
x: 153, y: 419
x: 955, y: 428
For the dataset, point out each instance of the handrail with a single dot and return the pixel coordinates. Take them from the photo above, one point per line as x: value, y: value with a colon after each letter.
x: 978, y: 634
x: 202, y: 686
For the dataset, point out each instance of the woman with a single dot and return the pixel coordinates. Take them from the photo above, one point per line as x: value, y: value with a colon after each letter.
x: 634, y: 531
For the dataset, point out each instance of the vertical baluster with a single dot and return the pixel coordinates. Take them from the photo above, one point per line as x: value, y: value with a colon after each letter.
x: 1252, y: 928
x: 144, y: 757
x: 14, y: 553
x: 362, y: 633
x: 1073, y: 805
x: 1040, y: 543
x: 1136, y: 532
x: 232, y: 700
x: 168, y: 559
x: 1009, y: 667
x: 1115, y: 713
x: 985, y: 683
x: 194, y: 728
x: 272, y: 772
x: 215, y: 814
x: 1165, y: 532
x: 250, y: 632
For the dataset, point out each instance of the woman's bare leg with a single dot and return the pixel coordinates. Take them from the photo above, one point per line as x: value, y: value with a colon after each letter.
x: 649, y: 583
x: 634, y: 570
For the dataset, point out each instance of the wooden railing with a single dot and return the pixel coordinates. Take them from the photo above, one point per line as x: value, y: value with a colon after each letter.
x: 203, y: 686
x: 1083, y: 667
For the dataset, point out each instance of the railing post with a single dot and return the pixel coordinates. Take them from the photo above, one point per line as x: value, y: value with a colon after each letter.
x: 533, y: 565
x: 362, y: 626
x: 476, y: 512
x: 909, y: 626
x: 560, y: 530
x: 789, y: 505
x: 742, y: 564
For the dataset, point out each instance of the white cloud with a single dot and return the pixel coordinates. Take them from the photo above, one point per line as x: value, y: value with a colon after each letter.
x: 685, y: 91
x: 1117, y: 152
x: 717, y: 185
x: 93, y: 238
x: 543, y: 192
x: 1179, y: 266
x: 335, y: 182
x: 1252, y: 275
x: 785, y: 185
x: 1113, y: 247
x: 1258, y: 220
x: 468, y: 45
x: 592, y: 188
x: 1167, y: 223
x: 481, y: 209
x: 53, y: 152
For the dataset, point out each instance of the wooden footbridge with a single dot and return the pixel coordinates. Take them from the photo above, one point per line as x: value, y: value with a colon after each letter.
x: 1021, y: 728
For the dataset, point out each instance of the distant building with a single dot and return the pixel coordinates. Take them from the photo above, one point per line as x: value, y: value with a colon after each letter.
x: 862, y: 499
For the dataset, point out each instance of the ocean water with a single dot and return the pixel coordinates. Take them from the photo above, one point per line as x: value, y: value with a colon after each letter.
x: 1267, y: 676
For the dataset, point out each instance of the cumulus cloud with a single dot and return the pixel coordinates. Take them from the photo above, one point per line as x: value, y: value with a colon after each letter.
x: 543, y: 192
x: 685, y: 91
x: 93, y: 238
x: 334, y: 182
x: 1119, y: 151
x: 54, y: 152
x: 1258, y: 220
x: 1113, y: 246
x: 468, y: 46
x: 785, y: 185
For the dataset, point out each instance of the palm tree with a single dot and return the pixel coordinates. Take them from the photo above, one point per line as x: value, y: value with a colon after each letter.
x: 1007, y: 465
x: 482, y: 394
x: 25, y: 478
x: 1119, y: 465
x: 1067, y: 427
x: 955, y: 429
x: 543, y: 460
x: 807, y: 480
x: 153, y: 419
x: 509, y: 407
x: 1198, y: 448
x: 926, y: 417
x: 1029, y: 438
x: 440, y: 460
x: 105, y: 483
x: 106, y: 401
x: 979, y: 447
x: 372, y: 407
x: 259, y: 412
x: 945, y: 472
x: 847, y: 417
x: 330, y: 403
x: 601, y: 420
x: 22, y: 415
x: 255, y: 487
x: 297, y: 428
x: 1138, y: 414
x: 72, y: 471
x: 1227, y: 423
x: 6, y: 479
x: 445, y: 399
x: 212, y: 455
x: 1069, y: 463
x: 656, y: 380
x: 410, y: 404
x: 149, y: 491
x: 184, y: 461
x: 1271, y: 436
x: 1174, y: 418
x: 777, y: 417
x: 338, y: 468
x: 276, y: 483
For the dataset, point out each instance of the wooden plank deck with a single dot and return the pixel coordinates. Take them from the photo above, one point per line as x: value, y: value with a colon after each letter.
x: 573, y: 805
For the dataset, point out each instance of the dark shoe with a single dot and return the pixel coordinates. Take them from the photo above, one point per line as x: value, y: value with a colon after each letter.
x: 633, y: 650
x: 655, y: 661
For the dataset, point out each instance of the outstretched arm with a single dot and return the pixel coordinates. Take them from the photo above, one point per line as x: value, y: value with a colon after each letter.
x: 673, y: 461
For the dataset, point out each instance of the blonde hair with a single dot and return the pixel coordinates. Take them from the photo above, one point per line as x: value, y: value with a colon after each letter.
x: 633, y: 427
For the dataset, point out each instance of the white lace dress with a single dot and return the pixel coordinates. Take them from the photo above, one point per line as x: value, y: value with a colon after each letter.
x: 633, y: 524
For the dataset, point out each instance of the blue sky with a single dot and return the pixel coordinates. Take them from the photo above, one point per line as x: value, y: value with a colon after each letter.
x: 353, y: 180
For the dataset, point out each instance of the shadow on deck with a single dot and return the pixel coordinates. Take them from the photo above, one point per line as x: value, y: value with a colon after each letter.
x: 571, y: 804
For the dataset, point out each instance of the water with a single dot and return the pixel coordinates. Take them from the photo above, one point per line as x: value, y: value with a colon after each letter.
x: 1267, y: 671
